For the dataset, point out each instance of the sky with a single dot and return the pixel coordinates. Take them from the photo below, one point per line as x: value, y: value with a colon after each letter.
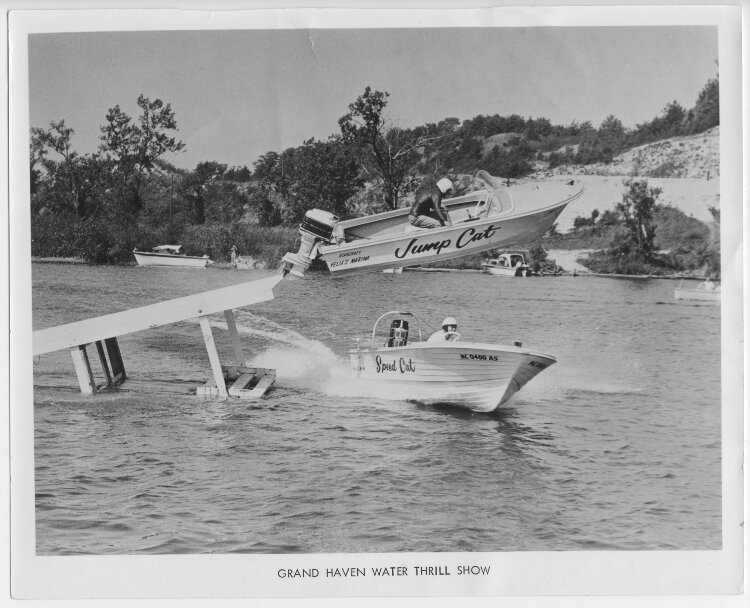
x: 238, y: 94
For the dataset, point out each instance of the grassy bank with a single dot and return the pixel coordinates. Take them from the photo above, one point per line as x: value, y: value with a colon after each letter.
x: 111, y: 242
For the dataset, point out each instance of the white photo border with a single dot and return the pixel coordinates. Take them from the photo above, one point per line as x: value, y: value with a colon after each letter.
x: 519, y: 573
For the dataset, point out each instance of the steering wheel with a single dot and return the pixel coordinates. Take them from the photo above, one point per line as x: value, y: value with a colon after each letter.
x: 452, y: 336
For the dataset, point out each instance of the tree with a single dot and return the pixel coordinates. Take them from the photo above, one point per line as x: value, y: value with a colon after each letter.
x: 511, y: 163
x: 269, y: 198
x: 133, y: 147
x: 537, y: 128
x: 320, y: 174
x: 265, y: 206
x: 387, y: 152
x: 611, y: 135
x: 636, y: 211
x: 198, y: 186
x: 538, y: 257
x: 323, y: 175
x: 65, y: 180
x: 705, y: 114
x: 238, y: 174
x: 673, y: 120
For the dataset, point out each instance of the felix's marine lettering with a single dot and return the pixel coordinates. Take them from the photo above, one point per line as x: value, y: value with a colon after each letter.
x: 346, y: 261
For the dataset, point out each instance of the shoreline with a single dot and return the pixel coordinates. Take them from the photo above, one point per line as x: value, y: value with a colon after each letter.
x: 578, y: 273
x: 53, y: 260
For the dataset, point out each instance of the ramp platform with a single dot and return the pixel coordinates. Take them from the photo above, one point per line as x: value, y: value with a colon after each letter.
x: 103, y: 332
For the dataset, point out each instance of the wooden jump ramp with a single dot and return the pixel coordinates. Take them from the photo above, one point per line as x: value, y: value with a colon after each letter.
x: 247, y: 382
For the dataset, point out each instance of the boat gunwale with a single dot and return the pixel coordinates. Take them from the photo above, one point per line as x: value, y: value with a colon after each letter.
x: 453, y: 346
x: 391, y: 213
x: 357, y: 243
x: 181, y: 256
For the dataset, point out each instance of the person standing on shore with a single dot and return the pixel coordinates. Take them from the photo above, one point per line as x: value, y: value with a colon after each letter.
x: 427, y: 210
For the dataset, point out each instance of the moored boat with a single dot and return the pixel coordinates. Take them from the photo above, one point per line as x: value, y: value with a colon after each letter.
x: 169, y: 255
x: 244, y: 263
x: 476, y: 376
x: 707, y: 291
x: 507, y: 264
x: 494, y: 216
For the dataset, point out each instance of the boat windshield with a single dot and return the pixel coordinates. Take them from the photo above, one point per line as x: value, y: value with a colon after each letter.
x: 488, y: 181
x: 167, y: 249
x: 498, y: 200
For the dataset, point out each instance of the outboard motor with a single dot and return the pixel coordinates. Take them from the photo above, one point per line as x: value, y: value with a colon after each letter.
x: 399, y: 333
x: 316, y: 227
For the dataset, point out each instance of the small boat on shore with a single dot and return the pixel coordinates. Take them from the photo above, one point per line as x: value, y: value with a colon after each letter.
x: 243, y: 263
x: 169, y: 255
x: 507, y: 264
x: 476, y: 376
x: 494, y: 216
x: 707, y: 291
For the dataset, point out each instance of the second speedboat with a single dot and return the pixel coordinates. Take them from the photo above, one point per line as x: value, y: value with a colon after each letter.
x: 476, y: 376
x: 507, y: 264
x: 169, y: 255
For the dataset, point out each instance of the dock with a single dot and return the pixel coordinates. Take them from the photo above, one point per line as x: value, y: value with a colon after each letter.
x: 103, y: 332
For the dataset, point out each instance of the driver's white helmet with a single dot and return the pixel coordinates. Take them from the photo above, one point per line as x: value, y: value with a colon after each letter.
x: 449, y: 321
x: 444, y: 185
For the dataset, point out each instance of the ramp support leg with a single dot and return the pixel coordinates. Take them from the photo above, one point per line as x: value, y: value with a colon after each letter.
x: 83, y: 369
x: 103, y: 361
x: 115, y: 360
x: 213, y: 356
x: 239, y: 357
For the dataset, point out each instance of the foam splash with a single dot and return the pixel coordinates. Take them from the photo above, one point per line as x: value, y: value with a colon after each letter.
x: 320, y: 370
x: 304, y: 363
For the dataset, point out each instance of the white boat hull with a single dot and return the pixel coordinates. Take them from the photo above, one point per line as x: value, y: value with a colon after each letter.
x: 144, y: 258
x: 503, y: 272
x: 479, y: 377
x: 385, y: 240
x: 682, y: 293
x: 245, y: 264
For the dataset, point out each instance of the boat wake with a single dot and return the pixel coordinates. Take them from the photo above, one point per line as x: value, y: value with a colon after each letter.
x: 303, y: 363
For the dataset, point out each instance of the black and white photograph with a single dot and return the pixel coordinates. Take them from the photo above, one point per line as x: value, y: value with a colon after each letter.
x: 378, y: 302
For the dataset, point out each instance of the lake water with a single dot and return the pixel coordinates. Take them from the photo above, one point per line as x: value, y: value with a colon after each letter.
x: 615, y: 447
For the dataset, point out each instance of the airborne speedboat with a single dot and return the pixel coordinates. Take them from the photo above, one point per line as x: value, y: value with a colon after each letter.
x: 480, y: 377
x: 495, y: 216
x: 169, y: 255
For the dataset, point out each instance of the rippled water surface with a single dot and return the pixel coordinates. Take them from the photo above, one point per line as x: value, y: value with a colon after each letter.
x: 617, y: 446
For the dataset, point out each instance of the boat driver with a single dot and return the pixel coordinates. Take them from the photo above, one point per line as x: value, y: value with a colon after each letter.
x: 427, y: 210
x: 448, y: 332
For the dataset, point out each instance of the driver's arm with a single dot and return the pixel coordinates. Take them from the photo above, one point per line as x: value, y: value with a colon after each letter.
x: 440, y: 211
